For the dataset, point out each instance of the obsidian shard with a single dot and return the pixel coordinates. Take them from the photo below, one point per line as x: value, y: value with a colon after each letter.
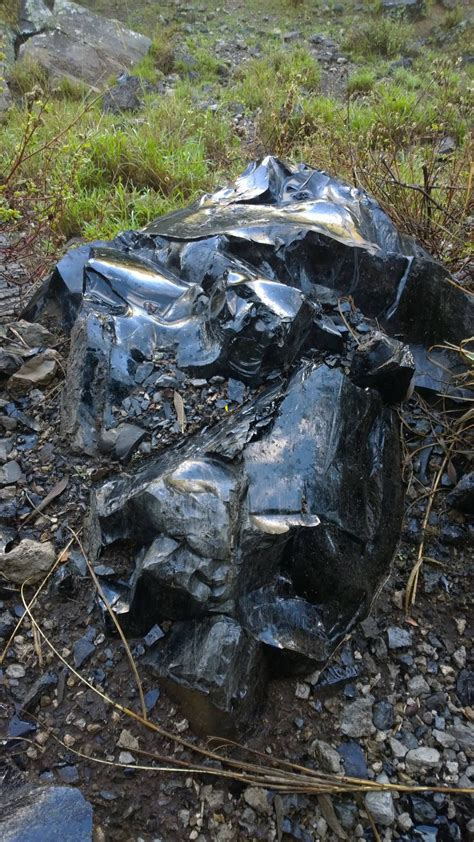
x: 265, y: 537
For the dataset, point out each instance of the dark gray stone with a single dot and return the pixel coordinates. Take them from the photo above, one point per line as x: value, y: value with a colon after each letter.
x: 10, y: 473
x: 413, y: 8
x: 383, y: 715
x: 9, y: 362
x: 41, y: 685
x: 462, y: 496
x: 355, y: 764
x: 39, y: 813
x: 7, y: 623
x: 126, y: 95
x: 385, y: 364
x: 121, y: 441
x: 82, y: 650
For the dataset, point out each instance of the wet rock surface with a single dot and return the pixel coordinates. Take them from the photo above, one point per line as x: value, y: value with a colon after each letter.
x: 256, y: 518
x: 410, y: 680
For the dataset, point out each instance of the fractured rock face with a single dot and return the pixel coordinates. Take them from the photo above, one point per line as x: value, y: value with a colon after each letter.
x: 284, y: 516
x: 214, y: 670
x: 34, y: 373
x: 245, y: 281
x: 264, y: 538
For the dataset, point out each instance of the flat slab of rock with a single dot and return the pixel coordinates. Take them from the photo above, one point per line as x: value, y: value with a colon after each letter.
x: 35, y: 335
x: 422, y: 758
x: 79, y: 44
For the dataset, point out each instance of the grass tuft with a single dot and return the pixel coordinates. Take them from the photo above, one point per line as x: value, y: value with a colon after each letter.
x: 380, y: 37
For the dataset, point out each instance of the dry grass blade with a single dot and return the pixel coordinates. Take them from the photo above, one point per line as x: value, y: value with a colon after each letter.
x: 412, y: 584
x: 55, y: 492
x: 180, y: 413
x: 15, y: 631
x: 114, y: 620
x: 327, y: 809
x: 307, y: 781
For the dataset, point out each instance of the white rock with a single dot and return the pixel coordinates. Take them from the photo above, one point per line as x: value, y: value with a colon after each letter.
x: 256, y: 798
x: 127, y: 758
x: 404, y: 821
x: 127, y: 740
x: 321, y: 828
x: 422, y: 758
x: 15, y: 671
x: 302, y: 690
x: 380, y: 805
x: 459, y: 657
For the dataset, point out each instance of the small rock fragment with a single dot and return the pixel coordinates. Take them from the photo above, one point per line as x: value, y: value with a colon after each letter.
x: 9, y: 362
x: 404, y: 821
x: 34, y: 334
x: 127, y: 740
x: 383, y: 715
x: 380, y: 805
x: 302, y: 690
x: 357, y: 718
x: 10, y: 473
x: 327, y: 757
x: 462, y: 496
x: 29, y: 560
x: 15, y: 671
x: 418, y: 686
x: 398, y: 638
x: 422, y: 758
x: 83, y: 649
x: 36, y: 372
x: 257, y: 799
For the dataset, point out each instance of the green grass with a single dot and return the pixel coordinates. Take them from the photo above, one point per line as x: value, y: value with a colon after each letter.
x: 111, y: 172
x: 9, y: 12
x: 267, y: 81
x: 381, y: 37
x: 107, y: 173
x: 26, y: 75
x: 361, y: 82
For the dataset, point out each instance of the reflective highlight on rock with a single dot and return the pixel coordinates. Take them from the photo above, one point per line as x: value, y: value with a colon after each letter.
x: 263, y: 538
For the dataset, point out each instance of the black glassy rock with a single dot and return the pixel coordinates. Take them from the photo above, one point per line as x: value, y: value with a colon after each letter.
x: 269, y: 532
